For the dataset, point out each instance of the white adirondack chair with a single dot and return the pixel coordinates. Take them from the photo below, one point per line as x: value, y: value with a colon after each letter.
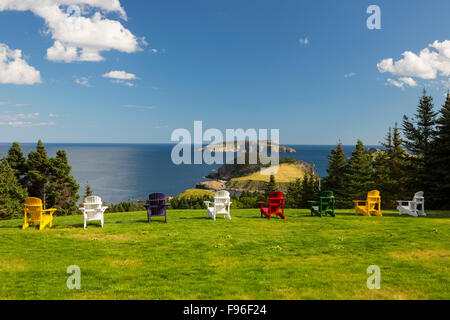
x: 93, y: 210
x: 221, y: 205
x: 414, y: 208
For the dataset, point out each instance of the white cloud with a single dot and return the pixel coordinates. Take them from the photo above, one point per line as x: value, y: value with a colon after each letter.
x: 304, y: 41
x: 14, y: 69
x: 350, y: 75
x: 82, y: 81
x: 120, y: 75
x: 80, y: 37
x: 19, y: 124
x: 408, y: 81
x: 130, y: 106
x: 402, y: 82
x: 20, y: 116
x: 125, y: 83
x: 428, y: 64
x: 23, y: 120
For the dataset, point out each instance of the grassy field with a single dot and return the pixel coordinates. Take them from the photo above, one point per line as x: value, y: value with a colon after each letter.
x: 286, y: 173
x: 246, y: 258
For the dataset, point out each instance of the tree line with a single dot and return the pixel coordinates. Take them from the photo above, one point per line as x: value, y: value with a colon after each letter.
x: 415, y: 158
x: 40, y: 176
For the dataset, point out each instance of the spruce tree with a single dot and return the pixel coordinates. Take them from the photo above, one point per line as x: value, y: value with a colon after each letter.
x: 18, y: 163
x: 359, y: 175
x: 63, y: 188
x: 390, y: 170
x: 308, y: 188
x: 38, y: 175
x: 12, y: 194
x: 419, y: 133
x: 295, y: 194
x: 335, y: 181
x: 88, y: 192
x: 271, y: 186
x: 441, y: 159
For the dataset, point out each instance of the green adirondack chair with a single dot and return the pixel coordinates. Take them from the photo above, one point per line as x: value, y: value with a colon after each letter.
x: 324, y: 206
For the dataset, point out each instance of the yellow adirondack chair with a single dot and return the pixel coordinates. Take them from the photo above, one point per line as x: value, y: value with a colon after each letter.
x: 369, y: 206
x: 33, y: 208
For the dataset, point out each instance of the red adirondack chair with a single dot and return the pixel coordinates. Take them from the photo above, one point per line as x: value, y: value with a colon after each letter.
x: 276, y: 203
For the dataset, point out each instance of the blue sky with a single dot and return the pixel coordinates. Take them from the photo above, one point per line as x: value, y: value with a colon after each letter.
x: 231, y: 64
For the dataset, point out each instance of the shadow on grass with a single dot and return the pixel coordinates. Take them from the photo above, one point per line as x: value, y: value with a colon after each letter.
x: 11, y: 227
x: 195, y: 218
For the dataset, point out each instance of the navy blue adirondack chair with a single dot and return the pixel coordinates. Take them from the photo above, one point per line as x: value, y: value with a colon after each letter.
x: 156, y: 206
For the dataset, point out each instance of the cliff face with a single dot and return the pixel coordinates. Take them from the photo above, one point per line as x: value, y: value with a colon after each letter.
x: 238, y: 178
x: 246, y: 146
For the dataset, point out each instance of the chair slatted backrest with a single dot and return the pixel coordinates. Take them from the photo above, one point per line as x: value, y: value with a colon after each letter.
x: 373, y: 198
x: 33, y: 207
x: 327, y: 199
x: 418, y: 197
x: 93, y: 203
x: 276, y: 200
x: 157, y: 199
x: 222, y: 196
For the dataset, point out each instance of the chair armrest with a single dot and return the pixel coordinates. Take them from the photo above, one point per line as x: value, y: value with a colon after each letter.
x: 358, y: 201
x: 49, y: 210
x: 262, y: 204
x: 404, y: 201
x: 104, y: 208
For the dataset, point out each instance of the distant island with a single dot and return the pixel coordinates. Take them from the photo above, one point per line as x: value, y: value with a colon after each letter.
x: 248, y: 146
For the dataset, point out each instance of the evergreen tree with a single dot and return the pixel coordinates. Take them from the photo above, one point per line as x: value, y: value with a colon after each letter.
x: 295, y: 194
x: 271, y: 186
x: 419, y: 133
x: 18, y: 163
x: 335, y: 181
x: 63, y: 188
x: 359, y: 175
x: 12, y: 194
x: 38, y: 174
x: 89, y: 192
x: 310, y: 187
x: 390, y: 169
x: 441, y: 159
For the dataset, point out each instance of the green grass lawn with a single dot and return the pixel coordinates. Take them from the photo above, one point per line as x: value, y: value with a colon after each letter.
x: 248, y: 257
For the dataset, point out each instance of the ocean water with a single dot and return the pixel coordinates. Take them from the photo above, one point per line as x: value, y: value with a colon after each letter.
x: 121, y: 172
